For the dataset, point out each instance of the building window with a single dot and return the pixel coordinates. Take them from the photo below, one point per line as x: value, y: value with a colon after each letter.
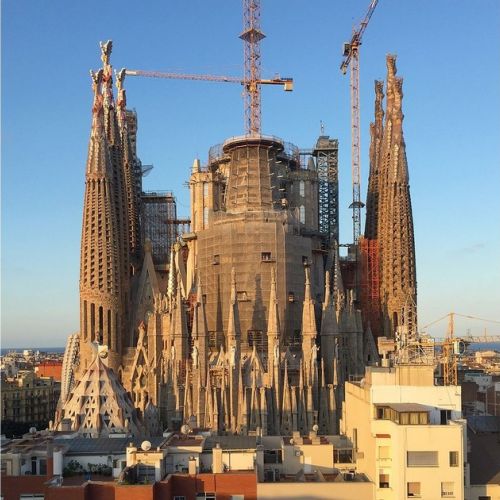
x: 179, y: 497
x: 305, y: 260
x: 422, y: 458
x: 258, y: 339
x: 265, y: 256
x: 447, y: 489
x: 383, y: 480
x: 413, y: 489
x: 453, y: 458
x: 343, y: 456
x: 43, y: 467
x: 273, y: 457
x: 216, y: 260
x: 302, y: 188
x: 302, y: 214
x: 242, y: 296
x: 445, y: 416
x: 205, y: 190
x: 384, y: 452
x: 296, y: 338
x: 291, y: 297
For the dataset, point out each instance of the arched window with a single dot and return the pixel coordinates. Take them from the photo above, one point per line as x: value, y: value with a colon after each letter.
x: 302, y: 214
x: 205, y: 217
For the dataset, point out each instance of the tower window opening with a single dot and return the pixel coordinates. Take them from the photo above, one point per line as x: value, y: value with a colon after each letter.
x: 266, y: 256
x: 109, y: 329
x: 302, y: 214
x: 92, y: 321
x: 205, y: 217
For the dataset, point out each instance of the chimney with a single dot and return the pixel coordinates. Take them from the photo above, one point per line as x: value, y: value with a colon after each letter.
x: 192, y: 470
x: 217, y: 466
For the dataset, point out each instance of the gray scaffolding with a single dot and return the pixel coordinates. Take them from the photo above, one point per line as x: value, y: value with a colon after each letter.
x: 326, y: 154
x: 159, y: 222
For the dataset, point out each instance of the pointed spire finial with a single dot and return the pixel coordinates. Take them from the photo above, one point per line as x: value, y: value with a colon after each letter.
x: 106, y: 48
x: 98, y: 100
x: 122, y: 97
x: 120, y: 78
x: 196, y: 166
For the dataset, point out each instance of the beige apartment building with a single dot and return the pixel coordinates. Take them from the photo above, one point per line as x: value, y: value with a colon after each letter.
x: 29, y: 399
x: 410, y: 450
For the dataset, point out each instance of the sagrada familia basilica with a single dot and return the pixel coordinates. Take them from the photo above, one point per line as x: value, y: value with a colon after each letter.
x: 257, y: 320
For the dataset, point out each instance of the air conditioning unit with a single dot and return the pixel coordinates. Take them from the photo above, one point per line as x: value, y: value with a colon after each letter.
x: 349, y: 476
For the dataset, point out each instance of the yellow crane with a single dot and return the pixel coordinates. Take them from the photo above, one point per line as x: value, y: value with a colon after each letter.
x: 452, y: 347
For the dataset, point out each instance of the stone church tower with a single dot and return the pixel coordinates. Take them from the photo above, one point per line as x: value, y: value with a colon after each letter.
x: 389, y: 221
x: 105, y: 252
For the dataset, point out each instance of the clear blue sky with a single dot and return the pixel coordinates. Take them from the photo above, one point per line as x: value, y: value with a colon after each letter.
x: 448, y: 53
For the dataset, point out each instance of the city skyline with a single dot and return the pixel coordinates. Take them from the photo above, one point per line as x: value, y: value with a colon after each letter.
x: 41, y: 221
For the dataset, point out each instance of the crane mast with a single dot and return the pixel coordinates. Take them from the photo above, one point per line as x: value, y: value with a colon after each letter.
x: 251, y: 81
x: 351, y: 57
x: 252, y: 36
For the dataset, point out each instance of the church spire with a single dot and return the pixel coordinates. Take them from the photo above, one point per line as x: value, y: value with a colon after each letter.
x: 309, y: 330
x: 103, y: 280
x: 273, y: 327
x: 200, y: 333
x: 329, y: 330
x: 395, y: 224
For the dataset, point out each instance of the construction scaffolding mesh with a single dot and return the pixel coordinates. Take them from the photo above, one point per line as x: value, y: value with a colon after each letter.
x: 159, y: 222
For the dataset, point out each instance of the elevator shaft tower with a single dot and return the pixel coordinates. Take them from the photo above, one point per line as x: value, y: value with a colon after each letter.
x: 326, y: 154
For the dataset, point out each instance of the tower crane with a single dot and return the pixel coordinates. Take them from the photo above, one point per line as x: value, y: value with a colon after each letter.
x: 351, y: 57
x: 251, y: 81
x: 453, y: 346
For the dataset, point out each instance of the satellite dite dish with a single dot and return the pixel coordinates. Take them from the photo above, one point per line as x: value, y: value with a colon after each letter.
x: 315, y: 428
x: 32, y: 430
x: 145, y: 446
x: 185, y: 429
